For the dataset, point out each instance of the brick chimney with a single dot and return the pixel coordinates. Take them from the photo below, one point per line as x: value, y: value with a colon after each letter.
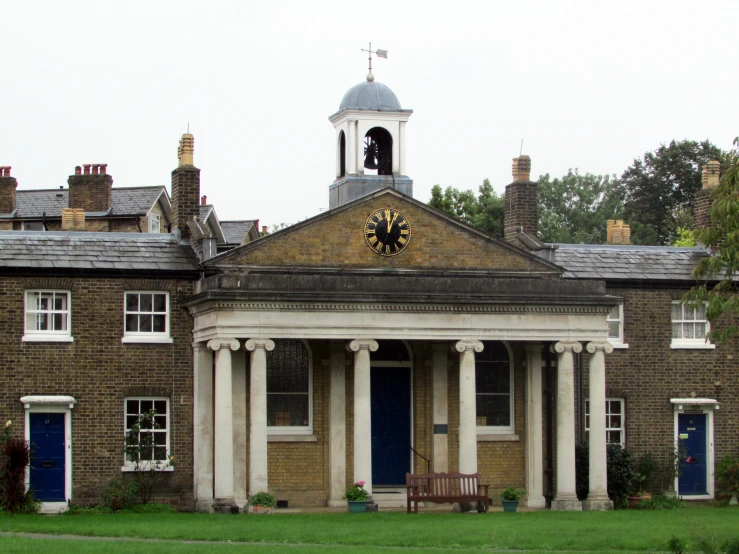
x: 521, y: 202
x: 702, y: 199
x: 91, y: 190
x: 8, y: 185
x: 185, y: 187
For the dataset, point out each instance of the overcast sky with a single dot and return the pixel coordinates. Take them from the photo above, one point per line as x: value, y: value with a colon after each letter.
x: 588, y: 85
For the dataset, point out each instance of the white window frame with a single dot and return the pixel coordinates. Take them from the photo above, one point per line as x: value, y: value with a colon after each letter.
x: 617, y: 342
x: 682, y: 343
x: 622, y: 429
x: 32, y: 335
x: 155, y: 222
x: 147, y: 336
x: 298, y: 429
x: 129, y: 465
x: 503, y: 429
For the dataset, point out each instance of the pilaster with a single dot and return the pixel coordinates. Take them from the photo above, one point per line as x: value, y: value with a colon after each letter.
x: 534, y: 431
x: 337, y: 426
x: 203, y: 418
x: 441, y: 407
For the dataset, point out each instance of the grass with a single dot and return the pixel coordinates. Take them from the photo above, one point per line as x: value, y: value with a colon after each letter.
x: 619, y: 531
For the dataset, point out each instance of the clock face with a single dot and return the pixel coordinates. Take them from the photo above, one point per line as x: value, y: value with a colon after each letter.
x: 387, y: 232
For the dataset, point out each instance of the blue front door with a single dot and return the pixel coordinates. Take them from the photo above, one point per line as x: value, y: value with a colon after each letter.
x: 47, y: 462
x: 692, y: 430
x: 391, y: 424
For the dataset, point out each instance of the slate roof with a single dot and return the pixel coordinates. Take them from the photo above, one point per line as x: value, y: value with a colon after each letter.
x: 627, y: 262
x: 235, y: 231
x: 126, y: 201
x: 104, y: 252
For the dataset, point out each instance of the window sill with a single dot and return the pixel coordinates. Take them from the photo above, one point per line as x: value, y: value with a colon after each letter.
x: 619, y: 345
x: 147, y: 340
x: 131, y: 469
x: 691, y: 345
x: 292, y: 438
x: 47, y: 338
x: 491, y: 437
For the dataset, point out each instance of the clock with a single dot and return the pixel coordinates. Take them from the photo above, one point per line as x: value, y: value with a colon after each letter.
x: 387, y: 231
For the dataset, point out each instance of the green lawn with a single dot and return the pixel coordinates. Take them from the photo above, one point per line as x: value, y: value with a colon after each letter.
x: 620, y: 531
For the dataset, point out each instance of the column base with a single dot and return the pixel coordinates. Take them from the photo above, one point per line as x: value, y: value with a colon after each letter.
x: 225, y: 505
x: 567, y: 505
x: 337, y: 503
x: 536, y: 502
x: 597, y: 505
x: 204, y: 505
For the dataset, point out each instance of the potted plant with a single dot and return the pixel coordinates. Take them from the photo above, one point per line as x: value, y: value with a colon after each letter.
x: 510, y: 497
x: 672, y: 468
x: 357, y: 497
x: 262, y: 503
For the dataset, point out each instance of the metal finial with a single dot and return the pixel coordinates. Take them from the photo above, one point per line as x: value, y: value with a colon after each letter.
x: 379, y: 53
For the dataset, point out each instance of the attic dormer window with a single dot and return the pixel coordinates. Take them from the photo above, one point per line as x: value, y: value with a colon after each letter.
x: 155, y: 223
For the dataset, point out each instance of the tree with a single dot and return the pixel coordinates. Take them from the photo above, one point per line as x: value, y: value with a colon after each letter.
x: 576, y: 208
x: 660, y: 187
x: 484, y: 211
x: 722, y: 265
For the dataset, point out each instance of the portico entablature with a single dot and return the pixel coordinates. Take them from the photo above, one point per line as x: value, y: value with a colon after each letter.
x: 390, y: 321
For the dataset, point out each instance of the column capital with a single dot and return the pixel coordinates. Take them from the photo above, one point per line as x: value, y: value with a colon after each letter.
x: 199, y: 345
x: 564, y: 345
x: 253, y: 344
x: 217, y: 344
x: 362, y: 344
x: 605, y: 346
x: 463, y: 345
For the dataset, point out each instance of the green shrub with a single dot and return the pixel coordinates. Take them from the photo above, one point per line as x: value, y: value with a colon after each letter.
x: 620, y: 474
x: 119, y: 496
x: 512, y: 493
x: 264, y: 499
x: 727, y: 478
x: 75, y: 510
x: 677, y: 545
x: 659, y: 502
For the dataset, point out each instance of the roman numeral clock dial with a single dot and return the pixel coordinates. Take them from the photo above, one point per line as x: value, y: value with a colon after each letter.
x: 387, y: 232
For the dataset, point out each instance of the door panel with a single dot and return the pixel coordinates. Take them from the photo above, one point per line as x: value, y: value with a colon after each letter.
x: 390, y: 392
x: 694, y: 479
x: 47, y: 461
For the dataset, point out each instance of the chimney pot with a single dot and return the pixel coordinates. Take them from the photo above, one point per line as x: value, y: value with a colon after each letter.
x: 87, y: 168
x: 103, y: 169
x: 203, y: 200
x: 95, y: 169
x: 77, y: 170
x: 264, y: 228
x: 711, y: 173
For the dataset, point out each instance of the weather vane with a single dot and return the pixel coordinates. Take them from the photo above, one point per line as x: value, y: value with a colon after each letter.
x: 379, y: 53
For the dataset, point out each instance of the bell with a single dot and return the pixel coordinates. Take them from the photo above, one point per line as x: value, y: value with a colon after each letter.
x: 370, y: 155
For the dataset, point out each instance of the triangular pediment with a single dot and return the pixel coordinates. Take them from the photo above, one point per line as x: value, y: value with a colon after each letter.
x: 337, y: 239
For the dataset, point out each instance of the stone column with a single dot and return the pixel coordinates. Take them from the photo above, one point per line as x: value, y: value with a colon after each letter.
x: 203, y: 417
x: 362, y: 411
x: 337, y: 426
x: 224, y: 471
x: 258, y: 472
x: 238, y: 377
x: 351, y: 149
x: 401, y: 145
x: 441, y: 407
x: 598, y: 456
x: 534, y: 433
x: 566, y: 497
x: 467, y: 405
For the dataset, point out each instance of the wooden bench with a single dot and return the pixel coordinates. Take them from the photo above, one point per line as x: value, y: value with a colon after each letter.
x: 446, y: 487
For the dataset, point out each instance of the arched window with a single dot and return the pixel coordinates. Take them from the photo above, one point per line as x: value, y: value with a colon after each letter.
x: 342, y: 154
x: 378, y: 152
x: 289, y: 387
x: 494, y: 387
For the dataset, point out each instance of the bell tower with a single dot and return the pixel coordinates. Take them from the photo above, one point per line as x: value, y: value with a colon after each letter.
x: 370, y: 142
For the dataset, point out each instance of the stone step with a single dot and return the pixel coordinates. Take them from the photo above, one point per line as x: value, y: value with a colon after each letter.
x: 389, y: 497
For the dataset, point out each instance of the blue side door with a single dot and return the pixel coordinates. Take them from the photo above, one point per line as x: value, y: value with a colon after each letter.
x: 692, y: 429
x: 390, y: 392
x: 47, y: 462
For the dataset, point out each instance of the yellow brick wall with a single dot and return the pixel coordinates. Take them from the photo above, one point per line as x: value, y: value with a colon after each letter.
x: 338, y: 240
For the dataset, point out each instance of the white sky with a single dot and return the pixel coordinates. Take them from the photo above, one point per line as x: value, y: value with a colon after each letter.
x: 587, y: 84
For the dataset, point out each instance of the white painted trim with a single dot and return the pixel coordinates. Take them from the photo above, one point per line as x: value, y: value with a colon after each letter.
x: 131, y: 469
x: 126, y: 463
x: 708, y: 407
x: 497, y: 437
x: 292, y: 438
x: 47, y: 338
x: 53, y: 404
x: 154, y: 337
x: 691, y: 344
x: 143, y: 339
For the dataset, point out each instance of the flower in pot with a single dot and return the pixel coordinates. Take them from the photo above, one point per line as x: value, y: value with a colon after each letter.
x: 672, y: 467
x: 510, y: 497
x: 262, y: 503
x: 357, y: 497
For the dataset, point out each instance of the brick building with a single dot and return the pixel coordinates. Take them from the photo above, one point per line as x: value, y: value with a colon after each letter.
x: 376, y: 338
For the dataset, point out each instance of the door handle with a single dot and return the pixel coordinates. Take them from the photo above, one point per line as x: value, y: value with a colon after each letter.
x: 47, y: 464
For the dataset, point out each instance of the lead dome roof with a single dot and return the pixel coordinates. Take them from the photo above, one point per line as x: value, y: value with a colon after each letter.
x: 370, y: 96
